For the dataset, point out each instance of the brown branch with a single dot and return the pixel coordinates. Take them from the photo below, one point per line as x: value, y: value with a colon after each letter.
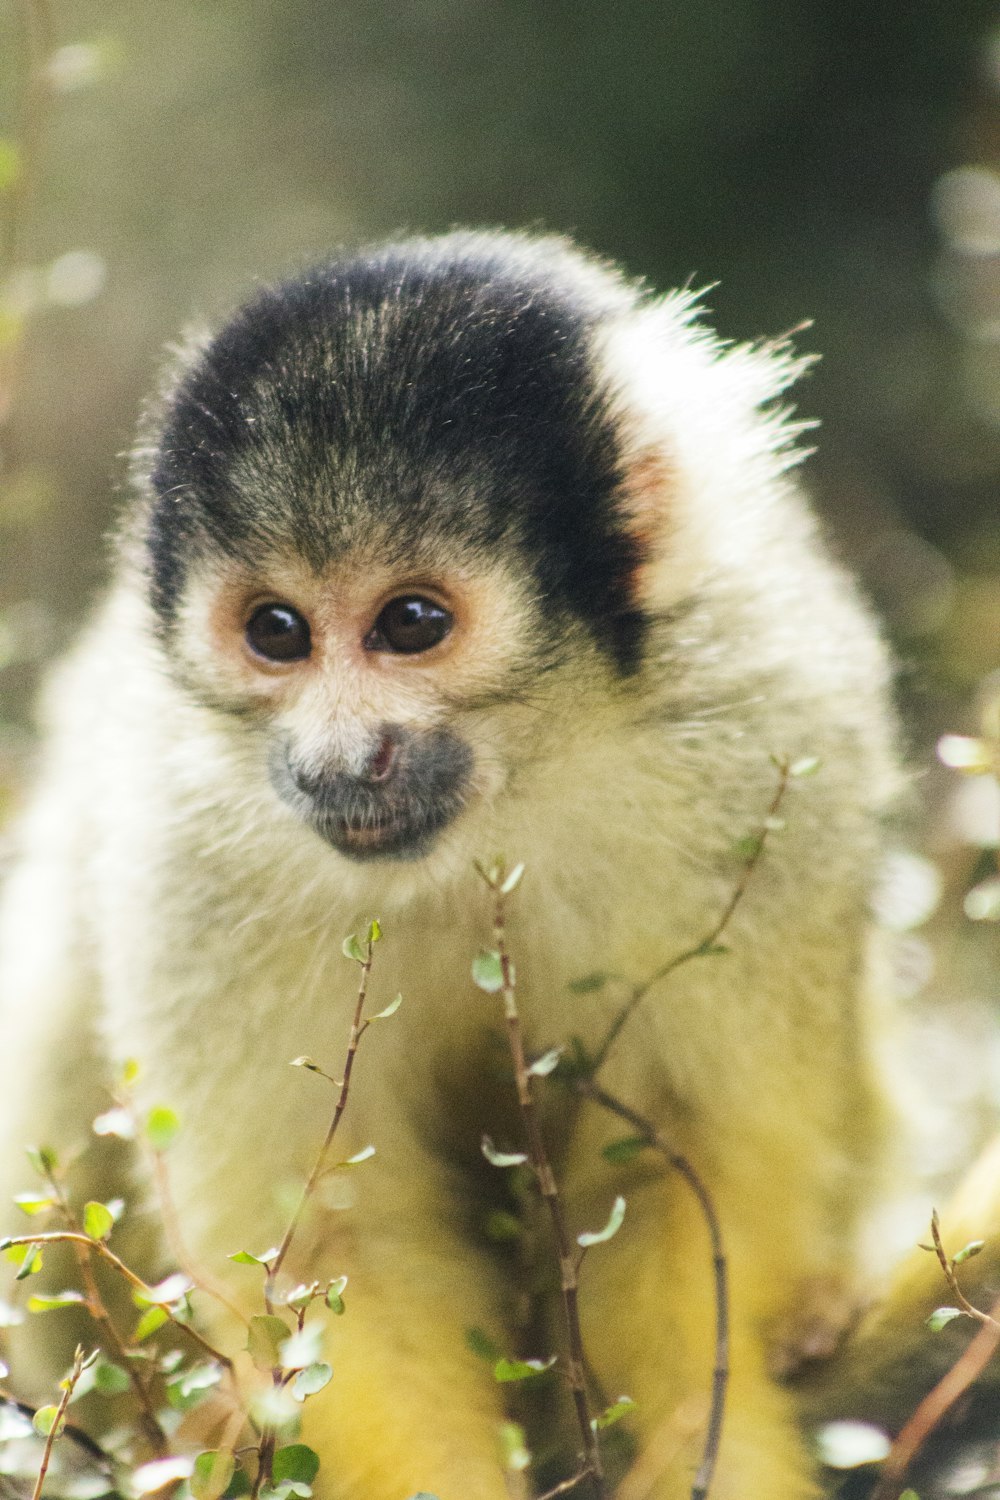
x: 358, y: 1028
x: 645, y: 1128
x: 53, y: 1432
x: 568, y: 1484
x: 704, y: 947
x: 953, y: 1384
x: 99, y: 1313
x: 70, y: 1237
x: 540, y: 1165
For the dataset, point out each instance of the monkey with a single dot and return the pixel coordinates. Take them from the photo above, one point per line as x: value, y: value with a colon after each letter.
x: 444, y: 547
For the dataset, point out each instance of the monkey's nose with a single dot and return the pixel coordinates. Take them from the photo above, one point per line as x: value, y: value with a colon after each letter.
x: 381, y: 764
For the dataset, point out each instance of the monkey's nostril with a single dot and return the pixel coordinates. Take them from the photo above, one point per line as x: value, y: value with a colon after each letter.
x: 380, y: 766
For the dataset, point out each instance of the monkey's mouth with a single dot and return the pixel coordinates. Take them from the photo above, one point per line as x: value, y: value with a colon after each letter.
x: 396, y: 817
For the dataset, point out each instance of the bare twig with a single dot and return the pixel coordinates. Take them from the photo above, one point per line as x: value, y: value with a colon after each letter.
x: 99, y: 1312
x: 69, y: 1385
x: 358, y: 1028
x: 500, y: 884
x: 953, y: 1384
x: 708, y: 943
x: 645, y: 1128
x: 98, y: 1247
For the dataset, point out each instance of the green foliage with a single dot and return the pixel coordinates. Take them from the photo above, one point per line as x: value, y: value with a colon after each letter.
x: 487, y: 972
x: 512, y: 1370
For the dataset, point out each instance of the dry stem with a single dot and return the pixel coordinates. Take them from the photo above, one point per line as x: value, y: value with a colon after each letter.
x: 538, y: 1156
x: 953, y: 1384
x: 590, y: 1089
x: 53, y: 1432
x: 358, y: 1028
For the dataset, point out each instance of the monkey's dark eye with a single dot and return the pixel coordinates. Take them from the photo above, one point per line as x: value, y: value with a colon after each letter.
x: 409, y: 624
x: 279, y: 632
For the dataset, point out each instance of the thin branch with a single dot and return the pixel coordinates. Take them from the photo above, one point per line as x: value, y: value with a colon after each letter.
x: 75, y: 1434
x: 99, y: 1313
x: 73, y: 1237
x: 358, y: 1028
x: 705, y: 946
x: 568, y: 1484
x: 69, y: 1386
x: 950, y: 1388
x: 540, y: 1165
x: 590, y: 1089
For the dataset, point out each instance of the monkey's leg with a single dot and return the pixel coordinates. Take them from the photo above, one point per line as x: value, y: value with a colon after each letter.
x: 648, y: 1310
x: 410, y: 1408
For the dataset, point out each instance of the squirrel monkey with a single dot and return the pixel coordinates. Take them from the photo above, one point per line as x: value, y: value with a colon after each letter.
x: 446, y: 547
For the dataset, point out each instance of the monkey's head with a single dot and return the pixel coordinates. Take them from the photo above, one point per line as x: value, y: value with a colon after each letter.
x: 402, y: 505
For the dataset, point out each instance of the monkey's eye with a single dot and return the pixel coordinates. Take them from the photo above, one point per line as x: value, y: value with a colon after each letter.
x: 279, y: 633
x: 409, y: 624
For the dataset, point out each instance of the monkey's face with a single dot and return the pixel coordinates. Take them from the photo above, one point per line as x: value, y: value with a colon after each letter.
x: 395, y: 522
x: 373, y: 690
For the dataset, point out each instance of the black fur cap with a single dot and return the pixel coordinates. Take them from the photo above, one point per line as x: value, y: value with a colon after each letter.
x: 440, y: 390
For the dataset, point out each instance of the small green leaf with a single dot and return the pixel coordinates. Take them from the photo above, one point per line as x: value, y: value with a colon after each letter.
x: 29, y: 1259
x: 613, y: 1413
x: 611, y: 1228
x: 304, y: 1347
x: 98, y: 1220
x: 502, y: 1227
x: 48, y: 1301
x: 501, y: 1158
x: 749, y: 847
x: 162, y: 1126
x: 968, y: 1251
x: 335, y: 1295
x: 514, y: 1447
x: 305, y: 1062
x: 941, y: 1317
x: 211, y: 1474
x: 116, y: 1122
x: 909, y: 1495
x: 365, y: 1154
x: 547, y: 1063
x: 482, y: 1346
x: 806, y: 765
x: 33, y: 1203
x: 152, y: 1319
x: 512, y: 881
x: 264, y: 1340
x: 43, y: 1159
x: 374, y: 930
x: 190, y: 1386
x: 299, y: 1298
x: 351, y: 948
x: 277, y: 1408
x: 588, y: 983
x: 487, y: 972
x: 247, y: 1258
x: 295, y: 1462
x: 110, y: 1379
x: 711, y: 950
x: 509, y: 1370
x: 625, y: 1149
x: 310, y: 1379
x: 390, y: 1010
x: 45, y: 1419
x: 847, y: 1444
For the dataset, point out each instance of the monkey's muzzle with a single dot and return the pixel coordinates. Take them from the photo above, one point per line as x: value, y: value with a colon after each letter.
x: 415, y: 785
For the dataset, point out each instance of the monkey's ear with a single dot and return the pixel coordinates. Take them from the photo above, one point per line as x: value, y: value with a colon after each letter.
x: 704, y: 441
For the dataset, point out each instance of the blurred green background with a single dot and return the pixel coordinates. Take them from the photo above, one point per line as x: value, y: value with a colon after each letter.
x: 837, y: 160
